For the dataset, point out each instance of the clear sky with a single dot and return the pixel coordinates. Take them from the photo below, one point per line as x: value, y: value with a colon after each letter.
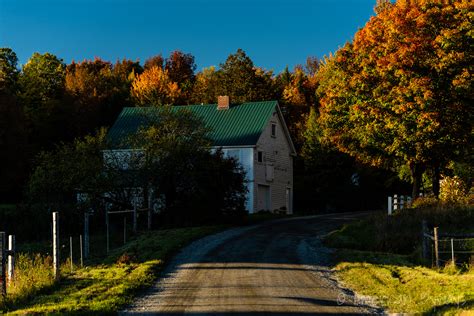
x: 274, y: 33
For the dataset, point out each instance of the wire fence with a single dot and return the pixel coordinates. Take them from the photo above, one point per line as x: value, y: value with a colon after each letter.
x: 456, y: 249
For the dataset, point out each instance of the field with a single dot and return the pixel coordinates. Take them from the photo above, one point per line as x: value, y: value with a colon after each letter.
x: 380, y: 257
x: 99, y: 288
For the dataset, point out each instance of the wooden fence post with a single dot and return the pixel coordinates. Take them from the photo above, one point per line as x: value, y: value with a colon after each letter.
x: 3, y: 285
x: 395, y: 202
x: 436, y: 249
x: 11, y: 258
x: 56, y: 245
x: 424, y: 239
x: 402, y: 202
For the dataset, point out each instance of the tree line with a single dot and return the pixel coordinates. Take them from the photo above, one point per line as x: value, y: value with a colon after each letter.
x: 398, y: 98
x: 47, y: 101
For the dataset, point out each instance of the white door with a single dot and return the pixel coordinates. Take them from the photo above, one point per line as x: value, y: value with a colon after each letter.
x: 263, y: 198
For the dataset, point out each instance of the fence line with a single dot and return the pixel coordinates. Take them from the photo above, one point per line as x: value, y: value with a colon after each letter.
x: 446, y: 240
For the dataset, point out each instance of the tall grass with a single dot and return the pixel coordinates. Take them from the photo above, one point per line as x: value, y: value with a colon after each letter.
x: 33, y: 274
x: 401, y: 232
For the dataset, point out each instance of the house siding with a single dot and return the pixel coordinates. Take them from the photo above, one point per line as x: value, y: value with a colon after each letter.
x: 277, y: 153
x: 245, y: 157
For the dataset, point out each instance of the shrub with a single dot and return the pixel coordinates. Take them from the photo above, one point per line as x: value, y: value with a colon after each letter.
x: 425, y: 202
x: 453, y: 191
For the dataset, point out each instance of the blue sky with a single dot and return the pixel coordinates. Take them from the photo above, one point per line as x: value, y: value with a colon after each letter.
x: 273, y: 33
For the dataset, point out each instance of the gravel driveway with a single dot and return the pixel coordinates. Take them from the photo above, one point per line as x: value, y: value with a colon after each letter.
x: 277, y: 268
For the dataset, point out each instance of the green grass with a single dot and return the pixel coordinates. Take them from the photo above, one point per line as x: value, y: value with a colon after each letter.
x: 402, y: 287
x: 380, y: 257
x: 106, y: 287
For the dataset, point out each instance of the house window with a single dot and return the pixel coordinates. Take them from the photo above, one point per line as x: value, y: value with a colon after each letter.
x: 274, y: 130
x: 260, y: 156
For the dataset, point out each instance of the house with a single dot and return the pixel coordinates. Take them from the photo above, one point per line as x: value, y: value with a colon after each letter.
x: 254, y: 133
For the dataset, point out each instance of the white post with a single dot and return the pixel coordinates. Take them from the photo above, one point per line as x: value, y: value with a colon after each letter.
x: 402, y: 202
x: 390, y: 205
x: 395, y: 202
x: 11, y: 258
x: 56, y: 245
x: 408, y: 201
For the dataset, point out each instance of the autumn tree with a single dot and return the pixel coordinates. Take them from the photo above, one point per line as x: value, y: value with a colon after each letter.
x: 156, y: 60
x: 155, y: 87
x: 206, y: 86
x: 401, y: 92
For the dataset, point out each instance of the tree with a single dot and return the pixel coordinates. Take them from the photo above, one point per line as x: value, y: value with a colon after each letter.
x: 41, y: 92
x: 242, y: 81
x: 401, y: 92
x: 8, y: 69
x: 155, y: 61
x: 179, y: 167
x: 206, y: 86
x: 180, y: 67
x: 154, y: 87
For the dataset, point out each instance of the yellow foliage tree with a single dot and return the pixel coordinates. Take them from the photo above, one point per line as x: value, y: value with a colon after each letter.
x: 154, y: 87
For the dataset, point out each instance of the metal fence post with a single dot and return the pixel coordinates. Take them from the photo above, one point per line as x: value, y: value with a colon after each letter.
x: 436, y: 249
x: 56, y: 245
x: 70, y: 253
x: 81, y: 250
x: 3, y: 285
x: 11, y: 258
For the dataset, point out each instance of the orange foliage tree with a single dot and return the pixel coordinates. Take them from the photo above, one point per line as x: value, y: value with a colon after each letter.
x: 401, y: 92
x: 155, y: 87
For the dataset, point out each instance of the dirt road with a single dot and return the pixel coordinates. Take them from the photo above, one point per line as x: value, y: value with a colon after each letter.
x: 278, y: 268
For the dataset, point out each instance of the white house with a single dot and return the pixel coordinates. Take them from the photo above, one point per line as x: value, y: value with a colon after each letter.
x: 254, y: 133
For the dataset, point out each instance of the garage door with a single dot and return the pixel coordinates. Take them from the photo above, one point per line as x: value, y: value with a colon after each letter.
x: 263, y: 201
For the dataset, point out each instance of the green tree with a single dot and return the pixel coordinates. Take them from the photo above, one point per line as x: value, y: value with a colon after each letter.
x: 8, y: 69
x: 242, y: 81
x: 401, y: 93
x: 41, y: 92
x: 179, y: 167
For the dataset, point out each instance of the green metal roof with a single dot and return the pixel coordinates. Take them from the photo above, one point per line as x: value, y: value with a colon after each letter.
x: 240, y: 125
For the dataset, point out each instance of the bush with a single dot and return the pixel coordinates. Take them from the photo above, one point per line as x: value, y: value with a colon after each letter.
x: 425, y: 202
x: 453, y: 191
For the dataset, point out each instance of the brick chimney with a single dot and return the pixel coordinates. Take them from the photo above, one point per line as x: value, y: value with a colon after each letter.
x: 223, y: 102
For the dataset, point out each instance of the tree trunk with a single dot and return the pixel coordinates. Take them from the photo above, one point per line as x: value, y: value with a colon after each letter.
x: 435, y: 180
x: 416, y: 175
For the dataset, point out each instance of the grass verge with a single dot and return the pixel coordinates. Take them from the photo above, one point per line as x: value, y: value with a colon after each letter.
x: 105, y: 288
x: 379, y: 257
